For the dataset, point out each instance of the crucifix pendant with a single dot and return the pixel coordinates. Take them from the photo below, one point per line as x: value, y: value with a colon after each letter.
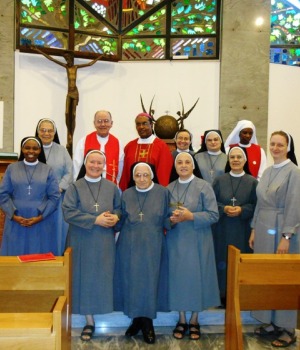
x: 233, y: 200
x: 141, y: 216
x: 96, y: 205
x: 212, y: 172
x: 29, y: 188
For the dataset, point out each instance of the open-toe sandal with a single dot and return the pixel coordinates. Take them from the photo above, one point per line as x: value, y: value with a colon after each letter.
x: 286, y: 339
x: 267, y: 330
x: 180, y: 330
x: 87, y: 333
x: 194, y: 332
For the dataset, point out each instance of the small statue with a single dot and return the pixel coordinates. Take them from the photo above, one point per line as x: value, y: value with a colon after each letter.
x: 166, y: 126
x: 73, y: 94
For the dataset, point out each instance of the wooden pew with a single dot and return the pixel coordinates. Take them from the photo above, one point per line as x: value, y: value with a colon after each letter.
x: 35, y: 303
x: 258, y: 282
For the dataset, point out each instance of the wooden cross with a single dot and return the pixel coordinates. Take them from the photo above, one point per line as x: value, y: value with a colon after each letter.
x: 212, y: 172
x: 96, y: 205
x: 233, y: 200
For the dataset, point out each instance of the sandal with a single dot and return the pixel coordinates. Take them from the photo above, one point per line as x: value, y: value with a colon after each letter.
x: 87, y: 332
x: 180, y: 329
x: 281, y: 341
x: 194, y: 332
x: 268, y: 330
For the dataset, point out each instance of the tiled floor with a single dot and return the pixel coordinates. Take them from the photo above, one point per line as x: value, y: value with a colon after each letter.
x: 212, y: 339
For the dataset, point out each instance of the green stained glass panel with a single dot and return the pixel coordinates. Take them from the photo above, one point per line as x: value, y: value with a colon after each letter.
x: 194, y: 47
x: 194, y: 17
x: 143, y: 49
x: 96, y: 44
x: 153, y: 25
x: 285, y: 22
x: 286, y: 56
x: 47, y: 13
x: 44, y: 38
x: 85, y: 21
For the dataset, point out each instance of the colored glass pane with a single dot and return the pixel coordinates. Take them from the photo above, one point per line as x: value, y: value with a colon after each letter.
x: 285, y: 22
x: 289, y: 56
x: 153, y: 25
x: 85, y: 21
x: 96, y: 44
x: 44, y: 38
x: 47, y: 13
x: 131, y: 9
x: 143, y: 49
x: 194, y: 47
x: 194, y: 17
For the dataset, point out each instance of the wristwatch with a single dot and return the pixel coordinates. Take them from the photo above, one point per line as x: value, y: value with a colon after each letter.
x: 286, y: 236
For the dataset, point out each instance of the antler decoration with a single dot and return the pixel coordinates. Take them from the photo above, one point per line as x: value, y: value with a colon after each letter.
x: 151, y: 111
x: 183, y: 115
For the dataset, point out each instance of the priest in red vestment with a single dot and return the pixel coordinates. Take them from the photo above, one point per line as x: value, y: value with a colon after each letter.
x: 147, y: 148
x: 101, y: 140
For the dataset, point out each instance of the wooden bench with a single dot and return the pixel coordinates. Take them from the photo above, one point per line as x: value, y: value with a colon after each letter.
x: 35, y: 303
x: 258, y: 282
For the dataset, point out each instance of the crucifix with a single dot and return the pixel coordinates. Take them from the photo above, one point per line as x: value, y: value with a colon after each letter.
x: 141, y: 216
x: 233, y: 200
x: 96, y: 205
x: 143, y: 153
x: 29, y: 188
x: 211, y: 172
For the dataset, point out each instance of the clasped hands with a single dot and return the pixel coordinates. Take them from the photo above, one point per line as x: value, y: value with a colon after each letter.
x: 106, y: 219
x: 181, y: 214
x: 27, y: 221
x: 232, y: 211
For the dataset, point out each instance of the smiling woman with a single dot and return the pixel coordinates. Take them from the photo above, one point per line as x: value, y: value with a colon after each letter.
x: 29, y: 195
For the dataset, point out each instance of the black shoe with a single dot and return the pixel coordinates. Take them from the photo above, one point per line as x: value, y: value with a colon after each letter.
x: 148, y: 330
x: 134, y: 328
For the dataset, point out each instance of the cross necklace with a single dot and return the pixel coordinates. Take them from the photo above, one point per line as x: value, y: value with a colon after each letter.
x: 180, y: 200
x: 234, y: 192
x: 212, y: 164
x: 141, y: 214
x: 96, y: 205
x: 29, y: 177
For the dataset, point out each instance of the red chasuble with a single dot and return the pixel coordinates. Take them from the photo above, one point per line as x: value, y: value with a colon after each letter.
x: 254, y: 158
x: 156, y: 153
x: 112, y: 149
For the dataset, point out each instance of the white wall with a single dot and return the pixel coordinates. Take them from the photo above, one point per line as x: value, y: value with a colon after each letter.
x: 284, y: 96
x: 41, y: 88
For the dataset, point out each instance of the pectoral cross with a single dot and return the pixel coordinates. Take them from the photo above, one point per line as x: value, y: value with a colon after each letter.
x: 113, y: 167
x: 212, y: 172
x: 233, y: 200
x: 141, y: 216
x: 29, y: 188
x: 176, y: 205
x: 96, y: 205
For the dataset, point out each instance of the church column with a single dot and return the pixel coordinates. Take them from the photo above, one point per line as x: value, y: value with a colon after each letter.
x: 244, y: 76
x: 7, y: 37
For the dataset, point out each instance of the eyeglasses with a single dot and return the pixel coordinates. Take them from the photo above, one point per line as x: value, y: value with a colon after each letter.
x: 139, y: 175
x: 103, y: 121
x: 44, y: 131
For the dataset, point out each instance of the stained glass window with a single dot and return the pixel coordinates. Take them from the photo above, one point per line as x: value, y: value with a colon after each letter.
x: 285, y: 32
x: 123, y: 29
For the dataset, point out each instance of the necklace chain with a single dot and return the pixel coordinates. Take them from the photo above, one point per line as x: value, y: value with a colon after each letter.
x: 96, y: 205
x: 29, y: 188
x: 141, y: 214
x: 212, y: 164
x: 182, y: 197
x: 234, y: 192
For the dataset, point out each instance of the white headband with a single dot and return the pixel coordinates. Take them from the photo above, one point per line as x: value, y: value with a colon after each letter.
x: 31, y: 138
x: 188, y: 155
x: 142, y: 163
x: 47, y: 120
x: 94, y: 151
x: 239, y: 148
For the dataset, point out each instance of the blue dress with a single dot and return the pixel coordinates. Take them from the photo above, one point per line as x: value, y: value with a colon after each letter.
x: 193, y: 283
x: 42, y: 200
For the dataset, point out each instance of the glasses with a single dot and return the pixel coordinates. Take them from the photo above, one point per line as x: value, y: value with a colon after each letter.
x: 103, y: 121
x: 49, y: 131
x: 139, y: 175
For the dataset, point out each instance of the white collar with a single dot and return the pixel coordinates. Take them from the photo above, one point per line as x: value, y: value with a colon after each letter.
x: 186, y: 181
x: 214, y: 153
x: 237, y: 175
x: 186, y: 150
x: 280, y: 165
x: 245, y: 146
x: 29, y: 163
x: 146, y: 189
x: 48, y: 146
x: 148, y: 140
x: 90, y: 179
